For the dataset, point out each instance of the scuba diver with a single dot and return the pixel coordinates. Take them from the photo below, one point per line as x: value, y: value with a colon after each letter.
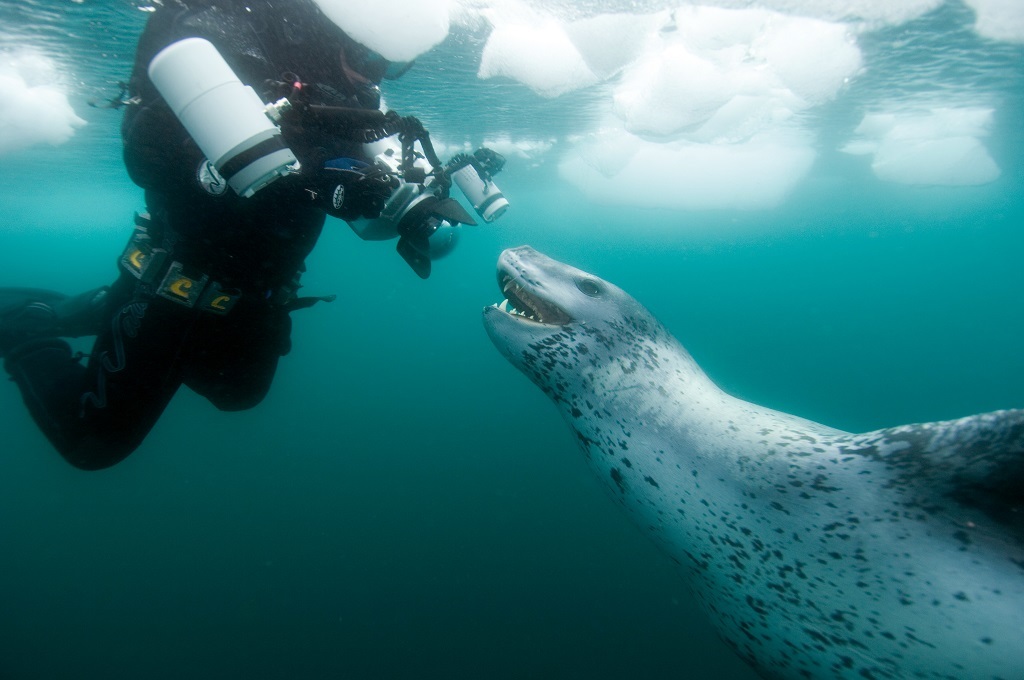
x: 247, y: 123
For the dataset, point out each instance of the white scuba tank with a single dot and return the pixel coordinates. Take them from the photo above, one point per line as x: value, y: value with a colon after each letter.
x: 228, y: 120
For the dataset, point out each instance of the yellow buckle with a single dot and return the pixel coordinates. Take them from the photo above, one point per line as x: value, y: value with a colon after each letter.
x: 218, y: 300
x: 142, y: 260
x: 180, y: 288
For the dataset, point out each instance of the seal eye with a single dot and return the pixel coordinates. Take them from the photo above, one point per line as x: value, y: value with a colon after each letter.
x: 589, y: 287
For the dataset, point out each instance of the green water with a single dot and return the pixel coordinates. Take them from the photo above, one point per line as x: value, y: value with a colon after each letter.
x: 405, y: 504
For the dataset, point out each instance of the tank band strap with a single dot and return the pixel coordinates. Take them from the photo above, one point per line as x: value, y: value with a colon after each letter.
x: 236, y: 164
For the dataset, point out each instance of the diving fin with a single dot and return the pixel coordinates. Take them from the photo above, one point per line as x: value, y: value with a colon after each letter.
x: 30, y: 313
x: 14, y: 298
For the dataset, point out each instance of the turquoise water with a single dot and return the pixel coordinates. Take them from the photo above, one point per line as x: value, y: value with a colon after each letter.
x: 405, y: 504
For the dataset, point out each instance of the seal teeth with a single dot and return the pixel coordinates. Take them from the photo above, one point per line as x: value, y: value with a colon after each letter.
x: 508, y: 308
x: 521, y: 301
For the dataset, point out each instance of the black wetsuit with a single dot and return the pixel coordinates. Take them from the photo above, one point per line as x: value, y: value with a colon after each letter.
x: 97, y: 412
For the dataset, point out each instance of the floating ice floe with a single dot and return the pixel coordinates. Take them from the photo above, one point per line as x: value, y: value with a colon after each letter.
x: 398, y: 30
x: 33, y: 108
x: 708, y: 108
x: 533, y: 49
x: 616, y: 167
x: 528, y: 149
x: 706, y: 102
x: 533, y: 151
x: 754, y: 67
x: 869, y: 13
x: 942, y: 147
x: 999, y: 19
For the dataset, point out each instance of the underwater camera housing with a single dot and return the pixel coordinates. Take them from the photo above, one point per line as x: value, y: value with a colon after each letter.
x: 421, y: 212
x: 240, y: 137
x: 229, y: 122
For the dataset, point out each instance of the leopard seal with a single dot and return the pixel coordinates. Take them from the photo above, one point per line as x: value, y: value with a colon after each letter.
x: 815, y: 552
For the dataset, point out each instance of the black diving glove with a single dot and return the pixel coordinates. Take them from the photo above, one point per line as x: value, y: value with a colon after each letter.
x: 350, y: 189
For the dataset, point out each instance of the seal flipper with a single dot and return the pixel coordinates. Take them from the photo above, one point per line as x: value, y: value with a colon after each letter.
x: 976, y: 461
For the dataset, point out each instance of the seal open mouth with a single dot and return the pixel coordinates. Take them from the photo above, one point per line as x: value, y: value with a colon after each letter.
x: 526, y: 303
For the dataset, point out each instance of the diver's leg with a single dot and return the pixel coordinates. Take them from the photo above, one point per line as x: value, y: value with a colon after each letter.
x: 49, y: 377
x: 133, y: 372
x: 95, y: 415
x: 235, y: 356
x: 83, y: 314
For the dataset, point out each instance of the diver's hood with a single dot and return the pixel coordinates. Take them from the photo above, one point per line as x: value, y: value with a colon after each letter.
x: 397, y: 31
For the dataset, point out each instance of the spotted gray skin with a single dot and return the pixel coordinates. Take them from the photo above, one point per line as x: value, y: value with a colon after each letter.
x: 816, y: 553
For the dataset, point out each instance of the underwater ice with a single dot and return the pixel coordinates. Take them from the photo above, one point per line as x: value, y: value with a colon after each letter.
x: 941, y: 147
x: 715, y: 95
x: 398, y: 30
x: 708, y: 96
x: 616, y: 167
x: 999, y: 19
x: 535, y: 51
x: 32, y: 109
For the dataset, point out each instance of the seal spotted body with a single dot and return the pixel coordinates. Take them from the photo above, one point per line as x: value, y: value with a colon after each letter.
x: 816, y: 553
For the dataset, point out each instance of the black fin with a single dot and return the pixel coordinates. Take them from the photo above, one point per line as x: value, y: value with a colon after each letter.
x: 451, y: 210
x: 415, y: 252
x: 73, y: 316
x: 11, y: 298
